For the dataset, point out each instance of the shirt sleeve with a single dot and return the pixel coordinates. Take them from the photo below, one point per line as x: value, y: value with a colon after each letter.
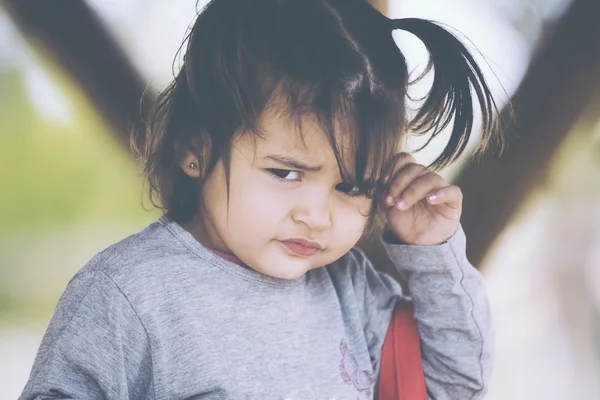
x: 94, y: 348
x: 453, y: 316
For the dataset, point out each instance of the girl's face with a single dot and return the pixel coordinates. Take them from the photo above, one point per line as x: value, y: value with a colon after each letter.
x: 288, y: 210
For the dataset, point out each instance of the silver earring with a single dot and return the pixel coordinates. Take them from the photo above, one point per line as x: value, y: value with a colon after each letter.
x: 192, y: 165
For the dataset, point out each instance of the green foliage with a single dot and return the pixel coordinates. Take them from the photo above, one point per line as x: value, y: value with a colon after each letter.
x: 57, y: 172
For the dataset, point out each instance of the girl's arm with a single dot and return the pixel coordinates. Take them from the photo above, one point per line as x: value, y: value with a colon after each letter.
x: 452, y: 312
x: 94, y: 348
x: 423, y: 220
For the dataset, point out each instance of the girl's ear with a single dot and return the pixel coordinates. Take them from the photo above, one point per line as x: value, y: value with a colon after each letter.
x: 190, y: 165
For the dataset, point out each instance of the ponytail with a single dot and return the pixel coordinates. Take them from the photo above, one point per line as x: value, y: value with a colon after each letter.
x: 455, y: 73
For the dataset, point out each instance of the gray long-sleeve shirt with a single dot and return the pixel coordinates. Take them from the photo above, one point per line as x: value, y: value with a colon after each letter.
x: 158, y: 316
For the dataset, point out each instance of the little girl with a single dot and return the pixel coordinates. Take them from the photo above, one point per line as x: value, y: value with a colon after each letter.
x: 272, y: 153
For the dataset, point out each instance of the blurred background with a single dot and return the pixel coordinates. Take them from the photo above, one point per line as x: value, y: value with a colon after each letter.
x: 71, y: 75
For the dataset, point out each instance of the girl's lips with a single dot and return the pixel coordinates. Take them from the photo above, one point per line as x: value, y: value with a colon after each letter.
x: 301, y: 247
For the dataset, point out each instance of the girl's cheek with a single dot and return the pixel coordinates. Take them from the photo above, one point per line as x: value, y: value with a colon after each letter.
x: 359, y: 205
x: 277, y: 198
x: 354, y: 209
x: 350, y: 223
x: 365, y: 206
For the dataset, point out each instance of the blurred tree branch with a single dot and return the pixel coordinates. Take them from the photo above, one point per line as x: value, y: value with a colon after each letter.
x: 561, y: 83
x: 71, y: 34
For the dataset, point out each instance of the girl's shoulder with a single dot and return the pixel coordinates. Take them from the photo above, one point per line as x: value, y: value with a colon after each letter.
x: 151, y: 245
x: 149, y: 259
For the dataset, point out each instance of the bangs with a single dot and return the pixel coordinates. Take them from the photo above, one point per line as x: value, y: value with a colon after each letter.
x: 362, y: 127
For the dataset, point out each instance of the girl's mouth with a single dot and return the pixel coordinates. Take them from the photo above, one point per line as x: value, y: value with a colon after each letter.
x: 302, y: 247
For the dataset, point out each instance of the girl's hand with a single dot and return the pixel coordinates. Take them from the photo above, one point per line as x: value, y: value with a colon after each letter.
x: 421, y: 208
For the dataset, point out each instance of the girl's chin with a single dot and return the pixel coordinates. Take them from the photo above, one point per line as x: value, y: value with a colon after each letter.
x: 286, y: 268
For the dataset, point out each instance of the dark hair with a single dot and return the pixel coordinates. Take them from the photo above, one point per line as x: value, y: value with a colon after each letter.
x: 333, y: 59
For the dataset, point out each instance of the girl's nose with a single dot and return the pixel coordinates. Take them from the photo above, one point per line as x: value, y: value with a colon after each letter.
x: 315, y: 217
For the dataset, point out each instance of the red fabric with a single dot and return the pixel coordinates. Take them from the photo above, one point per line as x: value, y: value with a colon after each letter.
x: 401, y: 370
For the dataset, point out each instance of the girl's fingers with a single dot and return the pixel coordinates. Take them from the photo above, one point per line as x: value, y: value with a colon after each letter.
x: 420, y: 188
x: 404, y: 171
x: 405, y: 176
x: 399, y: 160
x: 450, y: 195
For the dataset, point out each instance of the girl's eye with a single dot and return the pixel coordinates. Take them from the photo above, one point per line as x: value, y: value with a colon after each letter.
x: 285, y: 174
x: 349, y: 189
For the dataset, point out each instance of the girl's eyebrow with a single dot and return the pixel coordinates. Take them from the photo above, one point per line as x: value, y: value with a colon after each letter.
x: 293, y: 163
x: 302, y: 166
